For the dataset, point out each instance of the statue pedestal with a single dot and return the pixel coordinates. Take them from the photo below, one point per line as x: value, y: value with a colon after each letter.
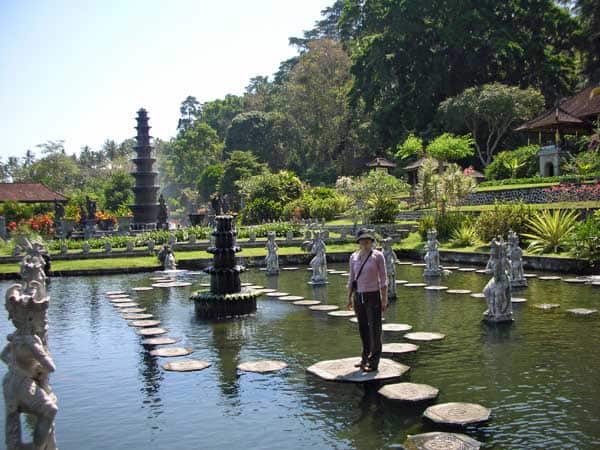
x: 432, y: 273
x: 502, y: 318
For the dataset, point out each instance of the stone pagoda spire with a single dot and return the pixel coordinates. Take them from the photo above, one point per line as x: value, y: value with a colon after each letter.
x: 145, y: 208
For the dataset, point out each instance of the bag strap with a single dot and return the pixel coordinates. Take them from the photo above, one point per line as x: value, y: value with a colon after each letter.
x: 363, y: 265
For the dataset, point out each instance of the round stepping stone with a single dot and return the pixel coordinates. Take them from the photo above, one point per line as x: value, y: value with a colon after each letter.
x: 478, y: 295
x: 418, y: 264
x: 582, y: 311
x: 204, y: 284
x: 355, y: 319
x: 181, y: 284
x: 549, y: 278
x: 118, y: 296
x: 424, y: 336
x: 451, y: 268
x: 547, y: 306
x: 289, y: 268
x: 171, y: 352
x: 136, y: 316
x: 409, y: 392
x: 575, y: 280
x: 344, y: 274
x: 163, y: 285
x: 324, y: 308
x: 401, y: 281
x: 404, y: 263
x: 518, y: 300
x: 341, y: 313
x: 481, y: 271
x: 596, y: 283
x: 142, y: 288
x: 246, y: 284
x: 343, y: 370
x: 151, y: 331
x: 263, y: 366
x: 267, y: 290
x: 115, y: 292
x: 458, y: 291
x: 307, y: 302
x: 187, y: 365
x: 256, y: 286
x: 162, y: 340
x: 436, y: 288
x: 530, y: 275
x: 290, y: 298
x: 467, y: 269
x: 457, y: 414
x: 398, y: 348
x: 114, y: 301
x: 277, y: 294
x: 442, y: 441
x: 396, y: 327
x: 132, y: 310
x: 414, y: 285
x: 126, y: 305
x: 159, y: 279
x: 147, y: 323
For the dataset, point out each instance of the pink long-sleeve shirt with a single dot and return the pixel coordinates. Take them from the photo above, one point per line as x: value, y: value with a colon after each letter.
x: 373, y: 276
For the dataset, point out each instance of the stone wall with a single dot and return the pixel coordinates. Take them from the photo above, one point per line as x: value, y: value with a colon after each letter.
x: 536, y: 195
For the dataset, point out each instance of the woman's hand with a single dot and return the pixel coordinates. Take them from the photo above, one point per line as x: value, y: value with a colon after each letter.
x: 384, y: 303
x: 350, y: 306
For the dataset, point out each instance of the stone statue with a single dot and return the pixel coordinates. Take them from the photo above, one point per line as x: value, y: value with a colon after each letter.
x: 172, y: 240
x: 59, y: 215
x: 319, y: 261
x: 26, y: 384
x: 432, y: 257
x: 498, y: 291
x: 108, y: 247
x: 163, y: 214
x: 272, y: 259
x: 85, y: 248
x: 289, y: 236
x: 151, y: 245
x: 515, y: 255
x: 33, y: 265
x: 167, y: 258
x: 64, y: 248
x: 90, y: 206
x: 390, y: 265
x: 129, y: 246
x: 307, y: 235
x: 252, y: 236
x: 192, y: 239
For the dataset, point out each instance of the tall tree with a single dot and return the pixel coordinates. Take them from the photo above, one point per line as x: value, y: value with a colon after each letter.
x: 219, y: 113
x: 190, y: 110
x: 588, y: 13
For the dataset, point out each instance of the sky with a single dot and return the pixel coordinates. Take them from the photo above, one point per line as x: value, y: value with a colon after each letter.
x: 79, y: 70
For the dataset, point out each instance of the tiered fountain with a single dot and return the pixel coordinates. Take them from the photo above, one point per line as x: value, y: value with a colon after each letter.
x: 225, y: 297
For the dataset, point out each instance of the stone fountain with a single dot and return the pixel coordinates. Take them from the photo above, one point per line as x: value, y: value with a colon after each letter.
x: 225, y: 297
x: 498, y: 294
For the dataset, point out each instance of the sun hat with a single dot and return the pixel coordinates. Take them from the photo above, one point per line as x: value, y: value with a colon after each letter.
x: 364, y: 233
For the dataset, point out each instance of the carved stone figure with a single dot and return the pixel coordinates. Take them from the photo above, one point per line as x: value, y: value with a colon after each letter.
x: 192, y: 239
x: 85, y: 248
x: 498, y: 290
x: 151, y: 246
x: 272, y: 259
x: 33, y: 265
x: 162, y: 221
x: 172, y: 240
x: 432, y: 257
x: 515, y: 255
x: 390, y: 265
x: 167, y: 258
x: 64, y: 248
x: 289, y: 236
x: 26, y: 384
x: 319, y: 261
x: 59, y: 215
x: 129, y: 247
x: 108, y: 247
x: 252, y: 236
x: 90, y: 206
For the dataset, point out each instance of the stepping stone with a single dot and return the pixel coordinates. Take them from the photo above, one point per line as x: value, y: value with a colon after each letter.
x: 256, y: 286
x: 337, y: 272
x: 409, y: 392
x: 549, y: 278
x: 125, y: 305
x: 307, y: 302
x: 277, y: 294
x: 518, y: 300
x: 396, y: 327
x: 341, y: 314
x: 582, y: 311
x: 458, y: 291
x: 442, y: 441
x: 344, y: 274
x: 467, y: 269
x: 418, y: 264
x: 451, y: 268
x: 414, y: 285
x: 118, y: 296
x: 267, y: 290
x: 263, y: 366
x: 159, y: 279
x: 204, y: 284
x: 530, y: 275
x: 404, y: 263
x: 546, y: 306
x: 343, y: 370
x: 114, y: 301
x: 324, y: 308
x: 424, y: 336
x: 246, y: 284
x: 171, y: 352
x: 457, y: 414
x: 132, y: 310
x: 436, y: 288
x: 290, y: 298
x: 163, y: 285
x: 289, y: 268
x: 181, y: 284
x: 115, y: 292
x: 136, y: 316
x: 151, y: 331
x: 481, y: 271
x: 401, y: 281
x: 575, y: 280
x: 187, y: 365
x: 596, y: 283
x: 355, y: 319
x: 398, y: 348
x: 144, y: 323
x: 478, y: 295
x: 142, y: 288
x: 162, y: 340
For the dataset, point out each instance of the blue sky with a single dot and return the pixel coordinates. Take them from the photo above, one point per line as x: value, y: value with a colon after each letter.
x: 79, y: 70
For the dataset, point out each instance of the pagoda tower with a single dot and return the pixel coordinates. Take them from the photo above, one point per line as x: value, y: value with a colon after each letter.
x: 145, y: 208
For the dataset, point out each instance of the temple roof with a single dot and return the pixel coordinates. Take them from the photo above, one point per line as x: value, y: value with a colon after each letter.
x: 29, y: 193
x: 381, y: 162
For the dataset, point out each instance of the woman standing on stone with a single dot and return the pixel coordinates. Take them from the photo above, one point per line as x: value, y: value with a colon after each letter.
x: 367, y: 295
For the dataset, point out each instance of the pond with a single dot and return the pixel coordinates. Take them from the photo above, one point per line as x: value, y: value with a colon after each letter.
x: 539, y: 376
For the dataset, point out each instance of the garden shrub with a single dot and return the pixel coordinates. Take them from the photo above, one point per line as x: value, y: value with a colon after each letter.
x: 465, y: 235
x: 383, y: 211
x: 445, y: 224
x: 261, y: 209
x: 550, y: 230
x: 519, y: 163
x: 502, y: 218
x: 585, y: 239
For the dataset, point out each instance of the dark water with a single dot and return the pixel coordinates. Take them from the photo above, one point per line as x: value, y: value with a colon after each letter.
x: 540, y: 376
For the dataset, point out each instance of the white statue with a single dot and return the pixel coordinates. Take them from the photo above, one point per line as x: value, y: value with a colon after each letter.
x: 390, y: 265
x: 432, y: 257
x: 319, y: 261
x: 85, y: 248
x: 498, y: 291
x: 129, y: 246
x: 272, y: 259
x: 172, y: 240
x: 167, y: 258
x: 151, y: 245
x: 108, y: 247
x: 515, y: 255
x: 289, y: 236
x: 33, y: 265
x: 26, y: 388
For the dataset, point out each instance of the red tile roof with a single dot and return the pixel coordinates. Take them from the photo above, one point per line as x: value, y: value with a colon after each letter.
x: 29, y: 193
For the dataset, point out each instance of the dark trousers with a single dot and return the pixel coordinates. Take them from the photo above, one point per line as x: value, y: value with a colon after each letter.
x: 367, y: 306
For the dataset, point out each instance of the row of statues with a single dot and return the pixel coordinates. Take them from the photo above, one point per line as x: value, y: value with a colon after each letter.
x: 26, y: 384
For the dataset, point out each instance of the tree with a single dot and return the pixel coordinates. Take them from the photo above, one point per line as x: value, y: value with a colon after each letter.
x: 444, y: 189
x: 237, y: 166
x: 449, y: 147
x: 210, y: 180
x: 219, y: 113
x: 57, y: 171
x: 412, y: 146
x: 118, y: 192
x: 588, y: 14
x: 490, y: 112
x: 190, y: 110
